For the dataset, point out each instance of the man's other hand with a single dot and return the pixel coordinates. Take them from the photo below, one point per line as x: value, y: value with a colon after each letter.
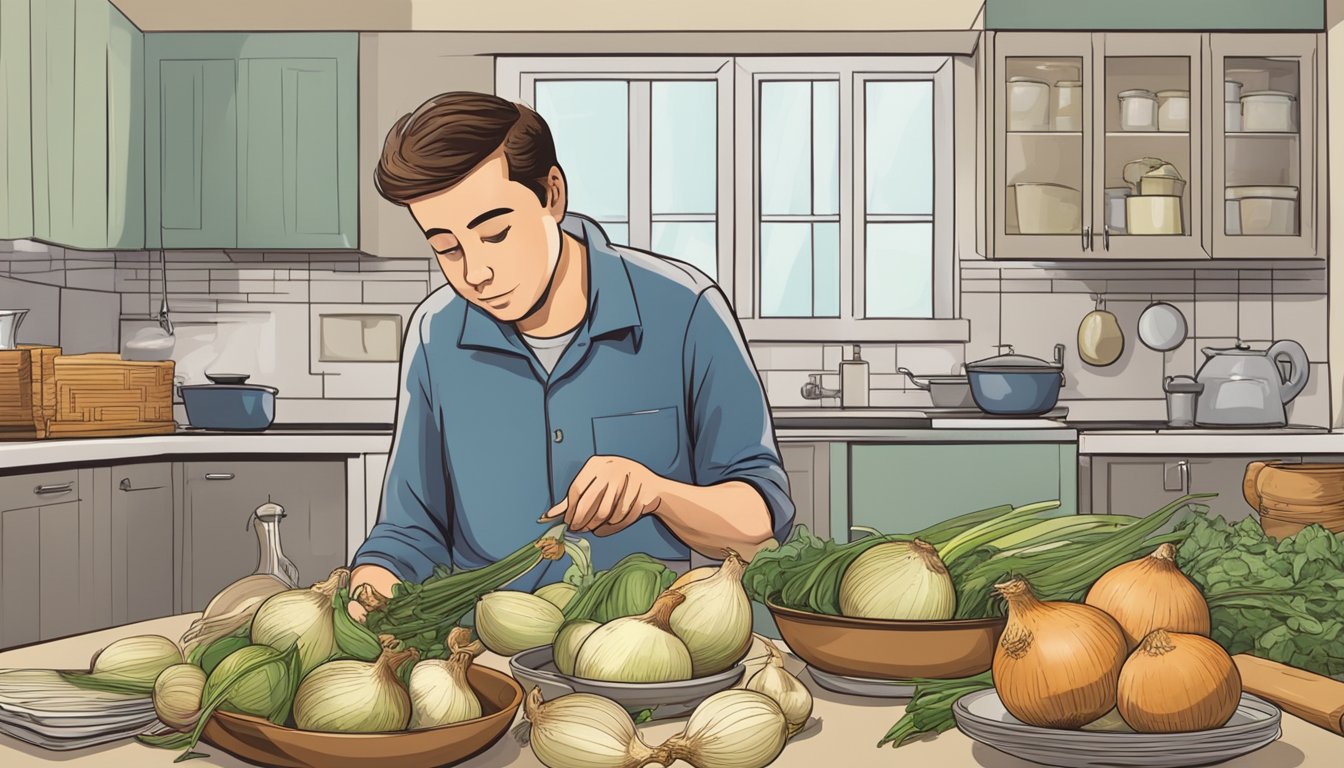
x: 609, y: 494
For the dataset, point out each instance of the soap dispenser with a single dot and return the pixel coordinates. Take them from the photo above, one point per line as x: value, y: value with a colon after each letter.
x: 854, y: 381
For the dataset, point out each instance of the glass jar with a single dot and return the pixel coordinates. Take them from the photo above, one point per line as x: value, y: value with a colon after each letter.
x: 1138, y: 110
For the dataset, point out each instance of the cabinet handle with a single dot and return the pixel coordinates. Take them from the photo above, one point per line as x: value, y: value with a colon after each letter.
x: 1087, y: 238
x: 1106, y: 237
x: 219, y: 476
x: 47, y: 490
x: 125, y: 484
x: 1184, y: 467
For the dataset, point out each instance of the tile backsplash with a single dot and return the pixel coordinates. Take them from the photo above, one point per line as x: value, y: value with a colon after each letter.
x: 320, y: 326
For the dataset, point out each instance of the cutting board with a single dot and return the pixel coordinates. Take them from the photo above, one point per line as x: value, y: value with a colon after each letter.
x: 1315, y: 698
x: 27, y: 390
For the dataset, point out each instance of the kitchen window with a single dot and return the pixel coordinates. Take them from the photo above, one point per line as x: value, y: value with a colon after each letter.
x: 832, y: 174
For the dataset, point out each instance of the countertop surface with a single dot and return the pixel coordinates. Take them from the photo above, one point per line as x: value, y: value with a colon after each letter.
x: 844, y: 729
x: 791, y: 425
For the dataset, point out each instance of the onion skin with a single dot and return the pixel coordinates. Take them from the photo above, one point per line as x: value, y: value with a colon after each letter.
x: 1057, y: 664
x: 714, y: 621
x: 1151, y: 593
x: 1177, y: 682
x: 898, y: 580
x: 637, y: 649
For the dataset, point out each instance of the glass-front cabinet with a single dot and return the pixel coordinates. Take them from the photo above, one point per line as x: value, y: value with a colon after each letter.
x: 1264, y: 157
x: 1135, y: 146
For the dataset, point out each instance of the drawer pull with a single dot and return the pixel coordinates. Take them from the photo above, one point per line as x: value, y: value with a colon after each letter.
x: 47, y: 490
x: 219, y: 476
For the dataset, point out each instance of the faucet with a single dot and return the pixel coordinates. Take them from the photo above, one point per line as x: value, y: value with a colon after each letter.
x: 812, y: 390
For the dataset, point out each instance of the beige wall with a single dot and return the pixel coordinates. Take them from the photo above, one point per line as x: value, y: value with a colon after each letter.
x: 547, y: 15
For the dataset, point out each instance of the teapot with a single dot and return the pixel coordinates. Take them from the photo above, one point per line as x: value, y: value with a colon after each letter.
x: 1244, y: 387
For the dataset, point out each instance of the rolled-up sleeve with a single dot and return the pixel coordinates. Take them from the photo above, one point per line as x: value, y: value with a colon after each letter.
x: 732, y: 435
x: 414, y: 529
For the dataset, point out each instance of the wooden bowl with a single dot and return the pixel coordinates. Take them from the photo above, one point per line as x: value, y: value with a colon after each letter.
x: 260, y: 741
x: 879, y: 649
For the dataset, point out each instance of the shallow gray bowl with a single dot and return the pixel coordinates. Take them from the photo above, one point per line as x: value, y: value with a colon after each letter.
x: 667, y: 700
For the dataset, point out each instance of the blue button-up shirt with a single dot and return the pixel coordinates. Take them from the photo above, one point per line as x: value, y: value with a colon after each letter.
x: 487, y: 441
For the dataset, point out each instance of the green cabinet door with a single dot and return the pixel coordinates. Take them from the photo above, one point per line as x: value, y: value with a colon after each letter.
x: 86, y: 147
x: 16, y: 148
x: 903, y: 488
x: 191, y: 130
x: 297, y: 144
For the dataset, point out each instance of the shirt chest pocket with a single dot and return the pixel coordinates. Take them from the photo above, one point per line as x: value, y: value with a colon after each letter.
x: 650, y: 437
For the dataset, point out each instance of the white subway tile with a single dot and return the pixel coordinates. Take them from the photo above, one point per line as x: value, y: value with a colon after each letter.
x: 831, y: 355
x: 399, y: 292
x: 931, y: 359
x: 787, y: 357
x: 1312, y: 406
x: 335, y: 291
x: 895, y: 398
x: 1214, y: 316
x: 1256, y: 315
x: 1304, y: 320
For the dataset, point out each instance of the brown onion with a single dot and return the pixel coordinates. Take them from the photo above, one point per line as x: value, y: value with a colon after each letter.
x: 1151, y: 593
x: 1176, y: 682
x: 1057, y: 664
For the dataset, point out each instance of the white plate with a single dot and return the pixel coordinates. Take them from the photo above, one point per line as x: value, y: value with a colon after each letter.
x: 1162, y: 327
x: 982, y: 717
x: 859, y: 686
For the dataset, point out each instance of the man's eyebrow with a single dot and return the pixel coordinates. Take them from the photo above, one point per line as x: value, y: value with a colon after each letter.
x: 487, y: 216
x: 436, y: 231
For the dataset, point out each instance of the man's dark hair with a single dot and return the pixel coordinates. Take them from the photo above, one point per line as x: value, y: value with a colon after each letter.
x: 445, y: 138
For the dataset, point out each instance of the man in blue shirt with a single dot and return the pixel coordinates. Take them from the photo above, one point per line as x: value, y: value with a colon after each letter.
x: 561, y: 376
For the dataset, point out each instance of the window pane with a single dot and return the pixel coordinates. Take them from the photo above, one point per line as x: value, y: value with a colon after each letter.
x: 617, y: 233
x: 826, y: 270
x: 590, y: 122
x: 899, y: 270
x: 683, y: 146
x: 786, y: 147
x: 898, y: 141
x: 786, y: 270
x: 826, y: 147
x: 690, y: 241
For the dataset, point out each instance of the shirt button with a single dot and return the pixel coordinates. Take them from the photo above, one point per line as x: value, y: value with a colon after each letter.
x: 558, y: 436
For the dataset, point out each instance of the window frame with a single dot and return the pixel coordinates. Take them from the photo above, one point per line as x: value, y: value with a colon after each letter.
x: 737, y: 225
x: 516, y: 79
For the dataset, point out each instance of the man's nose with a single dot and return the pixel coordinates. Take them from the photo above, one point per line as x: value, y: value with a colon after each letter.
x: 478, y: 273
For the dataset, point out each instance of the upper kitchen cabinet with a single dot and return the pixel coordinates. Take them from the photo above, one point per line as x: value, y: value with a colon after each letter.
x: 1268, y: 119
x: 16, y: 142
x: 86, y: 121
x: 1132, y: 146
x: 257, y: 139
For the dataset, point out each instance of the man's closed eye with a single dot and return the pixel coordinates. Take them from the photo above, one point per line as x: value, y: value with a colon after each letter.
x: 499, y: 238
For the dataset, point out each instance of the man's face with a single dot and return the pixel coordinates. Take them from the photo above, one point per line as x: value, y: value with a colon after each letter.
x: 496, y: 243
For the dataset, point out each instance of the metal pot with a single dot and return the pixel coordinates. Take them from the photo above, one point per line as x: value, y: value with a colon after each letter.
x: 9, y: 327
x: 228, y: 402
x: 1016, y: 385
x: 945, y: 391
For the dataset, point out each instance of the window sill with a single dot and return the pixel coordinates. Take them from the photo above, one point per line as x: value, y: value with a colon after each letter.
x: 786, y: 329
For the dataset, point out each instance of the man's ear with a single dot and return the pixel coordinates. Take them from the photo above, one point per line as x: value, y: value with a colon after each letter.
x: 557, y: 193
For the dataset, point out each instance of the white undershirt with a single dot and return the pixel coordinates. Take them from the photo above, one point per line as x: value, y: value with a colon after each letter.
x: 549, y: 350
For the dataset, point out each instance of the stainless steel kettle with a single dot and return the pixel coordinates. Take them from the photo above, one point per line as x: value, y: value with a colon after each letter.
x: 1244, y: 387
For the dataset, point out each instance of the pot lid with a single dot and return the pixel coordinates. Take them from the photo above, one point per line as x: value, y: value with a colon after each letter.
x: 1242, y: 348
x: 1069, y: 84
x: 1141, y: 93
x: 1177, y: 93
x: 1272, y: 94
x: 1031, y: 80
x: 1163, y: 171
x: 1182, y: 384
x: 1014, y: 361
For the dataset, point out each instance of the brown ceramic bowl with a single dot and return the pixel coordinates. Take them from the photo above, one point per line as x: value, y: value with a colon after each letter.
x: 879, y: 649
x: 259, y: 741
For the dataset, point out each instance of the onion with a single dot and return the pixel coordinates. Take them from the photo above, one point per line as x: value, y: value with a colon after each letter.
x: 302, y: 617
x: 903, y: 580
x: 439, y: 691
x: 351, y: 696
x: 558, y: 594
x: 230, y: 610
x: 261, y: 692
x: 1176, y: 682
x: 793, y: 698
x: 583, y: 730
x: 567, y: 644
x: 510, y: 622
x: 1151, y: 593
x: 134, y: 661
x: 731, y: 729
x: 715, y: 620
x: 1057, y: 664
x: 177, y: 695
x: 637, y: 649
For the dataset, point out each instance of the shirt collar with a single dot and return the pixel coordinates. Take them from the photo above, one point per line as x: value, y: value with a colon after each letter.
x: 611, y: 297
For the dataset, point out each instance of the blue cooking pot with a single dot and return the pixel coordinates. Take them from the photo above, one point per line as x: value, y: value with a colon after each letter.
x: 229, y: 402
x: 1016, y: 385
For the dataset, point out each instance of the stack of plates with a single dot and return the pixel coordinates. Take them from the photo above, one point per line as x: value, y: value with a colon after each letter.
x: 982, y: 716
x: 38, y: 707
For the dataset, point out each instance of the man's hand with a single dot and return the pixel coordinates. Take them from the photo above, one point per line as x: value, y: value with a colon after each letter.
x: 609, y: 494
x: 378, y: 578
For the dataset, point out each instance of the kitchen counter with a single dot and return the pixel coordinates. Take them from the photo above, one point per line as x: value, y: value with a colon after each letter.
x: 844, y: 727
